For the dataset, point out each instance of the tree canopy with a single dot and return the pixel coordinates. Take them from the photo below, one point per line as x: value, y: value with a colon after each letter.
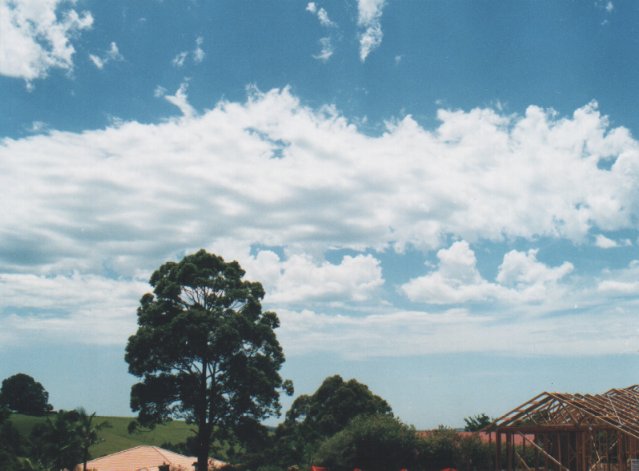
x: 24, y: 395
x: 372, y: 443
x: 313, y: 418
x: 335, y: 403
x: 205, y: 351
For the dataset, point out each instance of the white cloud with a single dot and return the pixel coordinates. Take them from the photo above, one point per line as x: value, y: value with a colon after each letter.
x: 369, y: 21
x: 604, y: 242
x: 35, y: 36
x: 112, y: 54
x: 179, y: 59
x: 478, y: 176
x: 271, y: 172
x: 327, y: 49
x: 621, y: 282
x: 412, y: 333
x: 521, y: 278
x: 457, y: 279
x: 326, y: 43
x: 77, y: 308
x: 300, y: 279
x: 97, y: 61
x: 197, y: 54
x: 180, y: 100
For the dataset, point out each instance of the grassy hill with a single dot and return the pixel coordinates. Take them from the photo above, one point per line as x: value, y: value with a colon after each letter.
x: 117, y: 438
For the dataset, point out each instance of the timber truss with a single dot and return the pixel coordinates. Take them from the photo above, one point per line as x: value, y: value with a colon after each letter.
x: 570, y: 432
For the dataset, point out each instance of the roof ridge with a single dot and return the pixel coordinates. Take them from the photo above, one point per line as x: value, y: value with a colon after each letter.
x: 119, y: 452
x: 162, y: 452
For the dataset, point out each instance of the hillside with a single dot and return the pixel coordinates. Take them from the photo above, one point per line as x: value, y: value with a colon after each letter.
x: 117, y: 437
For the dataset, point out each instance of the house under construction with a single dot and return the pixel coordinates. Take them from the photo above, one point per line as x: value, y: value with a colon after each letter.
x: 570, y: 432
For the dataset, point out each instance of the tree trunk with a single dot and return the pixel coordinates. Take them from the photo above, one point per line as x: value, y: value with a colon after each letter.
x: 204, y: 445
x: 204, y: 429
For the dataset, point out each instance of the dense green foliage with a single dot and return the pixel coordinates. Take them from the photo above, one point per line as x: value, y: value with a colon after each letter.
x: 316, y: 417
x: 446, y: 448
x: 22, y: 394
x: 206, y: 352
x: 372, y: 443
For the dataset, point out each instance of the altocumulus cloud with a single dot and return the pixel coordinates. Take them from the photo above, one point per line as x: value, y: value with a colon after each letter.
x: 278, y: 185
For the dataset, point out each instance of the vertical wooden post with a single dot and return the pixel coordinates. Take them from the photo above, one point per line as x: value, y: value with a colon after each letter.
x: 498, y: 451
x: 509, y: 447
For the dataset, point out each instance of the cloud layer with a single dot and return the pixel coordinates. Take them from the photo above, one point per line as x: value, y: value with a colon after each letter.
x: 279, y: 186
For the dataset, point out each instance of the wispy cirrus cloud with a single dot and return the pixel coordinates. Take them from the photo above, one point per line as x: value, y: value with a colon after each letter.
x: 111, y: 55
x: 327, y: 42
x: 197, y: 54
x: 36, y: 36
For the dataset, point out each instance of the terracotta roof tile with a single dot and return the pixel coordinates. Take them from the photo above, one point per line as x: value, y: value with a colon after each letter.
x: 144, y: 458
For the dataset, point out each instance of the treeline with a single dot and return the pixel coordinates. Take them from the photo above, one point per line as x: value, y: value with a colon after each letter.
x: 343, y: 426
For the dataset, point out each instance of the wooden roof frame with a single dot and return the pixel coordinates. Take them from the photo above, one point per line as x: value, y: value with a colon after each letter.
x: 616, y: 409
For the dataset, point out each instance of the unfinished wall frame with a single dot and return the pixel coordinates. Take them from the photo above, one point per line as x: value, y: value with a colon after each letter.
x: 570, y: 432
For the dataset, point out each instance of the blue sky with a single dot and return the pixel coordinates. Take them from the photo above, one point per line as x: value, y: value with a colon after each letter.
x: 441, y: 198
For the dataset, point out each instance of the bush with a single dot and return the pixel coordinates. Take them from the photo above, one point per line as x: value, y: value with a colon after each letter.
x: 373, y: 443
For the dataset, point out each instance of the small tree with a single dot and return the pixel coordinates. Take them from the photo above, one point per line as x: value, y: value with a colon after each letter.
x: 372, y: 443
x: 56, y: 442
x: 477, y: 422
x: 24, y: 395
x: 205, y: 351
x: 88, y: 433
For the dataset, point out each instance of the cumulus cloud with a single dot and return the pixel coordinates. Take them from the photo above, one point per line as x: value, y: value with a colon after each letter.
x: 369, y: 21
x: 456, y: 280
x: 112, y: 54
x: 35, y: 36
x: 300, y: 279
x: 621, y: 282
x: 280, y: 174
x: 302, y: 182
x: 521, y: 278
x: 604, y: 242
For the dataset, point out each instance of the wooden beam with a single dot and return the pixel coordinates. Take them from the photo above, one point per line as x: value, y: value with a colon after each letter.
x: 550, y: 457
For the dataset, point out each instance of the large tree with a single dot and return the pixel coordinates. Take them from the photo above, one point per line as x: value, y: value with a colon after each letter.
x: 205, y: 351
x: 23, y: 394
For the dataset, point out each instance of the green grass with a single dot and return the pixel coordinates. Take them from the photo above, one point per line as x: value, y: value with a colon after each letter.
x: 117, y: 438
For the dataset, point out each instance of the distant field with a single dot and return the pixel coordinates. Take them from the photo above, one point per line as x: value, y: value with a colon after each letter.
x: 117, y: 437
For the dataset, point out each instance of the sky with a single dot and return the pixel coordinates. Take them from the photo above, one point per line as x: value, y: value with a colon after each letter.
x: 441, y: 198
